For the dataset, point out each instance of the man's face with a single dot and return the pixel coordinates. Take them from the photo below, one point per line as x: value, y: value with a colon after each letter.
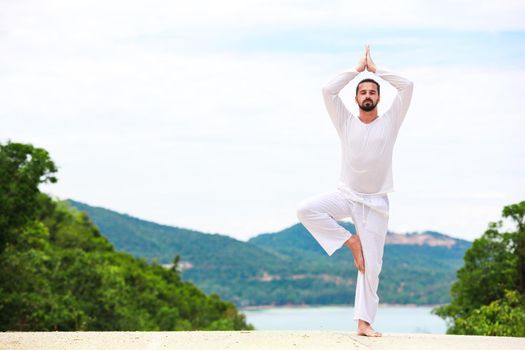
x: 367, y: 97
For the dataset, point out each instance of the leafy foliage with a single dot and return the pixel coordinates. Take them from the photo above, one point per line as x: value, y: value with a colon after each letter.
x: 22, y: 168
x: 488, y: 297
x: 57, y: 272
x: 502, y: 317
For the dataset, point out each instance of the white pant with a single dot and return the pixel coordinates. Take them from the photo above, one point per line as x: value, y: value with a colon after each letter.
x: 370, y: 217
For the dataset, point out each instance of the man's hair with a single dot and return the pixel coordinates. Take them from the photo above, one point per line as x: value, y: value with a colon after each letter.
x: 367, y: 80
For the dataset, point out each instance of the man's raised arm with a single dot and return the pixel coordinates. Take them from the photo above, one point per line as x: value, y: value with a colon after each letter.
x: 404, y: 88
x: 334, y: 105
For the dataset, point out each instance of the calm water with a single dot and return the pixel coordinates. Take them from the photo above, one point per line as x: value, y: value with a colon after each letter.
x: 398, y: 319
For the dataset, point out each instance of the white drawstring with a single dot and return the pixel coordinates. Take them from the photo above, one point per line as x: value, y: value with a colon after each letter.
x: 363, y: 213
x: 364, y: 200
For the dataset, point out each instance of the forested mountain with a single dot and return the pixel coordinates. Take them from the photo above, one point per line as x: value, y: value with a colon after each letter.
x: 288, y: 267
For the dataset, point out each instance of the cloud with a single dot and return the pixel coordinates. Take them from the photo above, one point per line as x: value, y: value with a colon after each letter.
x: 210, y: 120
x: 97, y: 20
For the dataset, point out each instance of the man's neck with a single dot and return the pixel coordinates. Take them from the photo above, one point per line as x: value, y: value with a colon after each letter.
x: 368, y: 117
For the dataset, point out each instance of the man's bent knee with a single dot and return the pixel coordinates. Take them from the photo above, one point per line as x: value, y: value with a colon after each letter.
x: 303, y: 212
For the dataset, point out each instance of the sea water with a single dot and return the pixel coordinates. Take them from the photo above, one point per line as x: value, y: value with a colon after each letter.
x: 397, y: 319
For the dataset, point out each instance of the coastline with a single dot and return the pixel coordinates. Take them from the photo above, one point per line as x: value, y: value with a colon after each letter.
x: 304, y: 306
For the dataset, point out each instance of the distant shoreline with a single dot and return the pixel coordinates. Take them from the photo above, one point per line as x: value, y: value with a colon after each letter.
x: 301, y: 306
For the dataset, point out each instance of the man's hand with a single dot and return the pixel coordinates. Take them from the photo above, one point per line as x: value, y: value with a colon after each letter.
x: 362, y: 62
x: 370, y: 65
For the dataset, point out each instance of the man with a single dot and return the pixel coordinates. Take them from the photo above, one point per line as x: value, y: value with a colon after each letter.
x: 367, y: 143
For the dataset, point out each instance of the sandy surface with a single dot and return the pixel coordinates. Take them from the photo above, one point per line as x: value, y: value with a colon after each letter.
x: 250, y: 340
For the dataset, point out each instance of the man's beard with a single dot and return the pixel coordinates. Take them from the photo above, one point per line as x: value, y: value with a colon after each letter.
x: 368, y: 106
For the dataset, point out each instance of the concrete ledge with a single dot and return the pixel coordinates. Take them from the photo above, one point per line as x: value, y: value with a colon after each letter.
x: 250, y: 340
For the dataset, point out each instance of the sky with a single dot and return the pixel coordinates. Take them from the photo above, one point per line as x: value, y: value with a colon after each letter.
x: 208, y: 115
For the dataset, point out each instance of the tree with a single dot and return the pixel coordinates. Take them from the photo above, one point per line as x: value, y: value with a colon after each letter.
x: 502, y: 317
x: 176, y: 261
x: 490, y: 281
x: 517, y: 213
x: 22, y: 168
x: 58, y: 272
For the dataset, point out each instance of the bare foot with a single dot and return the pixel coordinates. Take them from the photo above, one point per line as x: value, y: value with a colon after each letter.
x: 354, y: 244
x: 368, y: 331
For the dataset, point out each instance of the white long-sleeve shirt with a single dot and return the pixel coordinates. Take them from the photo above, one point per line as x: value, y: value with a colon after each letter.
x: 366, y: 162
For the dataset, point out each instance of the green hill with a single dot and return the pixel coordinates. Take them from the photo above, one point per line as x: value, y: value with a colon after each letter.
x: 288, y: 267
